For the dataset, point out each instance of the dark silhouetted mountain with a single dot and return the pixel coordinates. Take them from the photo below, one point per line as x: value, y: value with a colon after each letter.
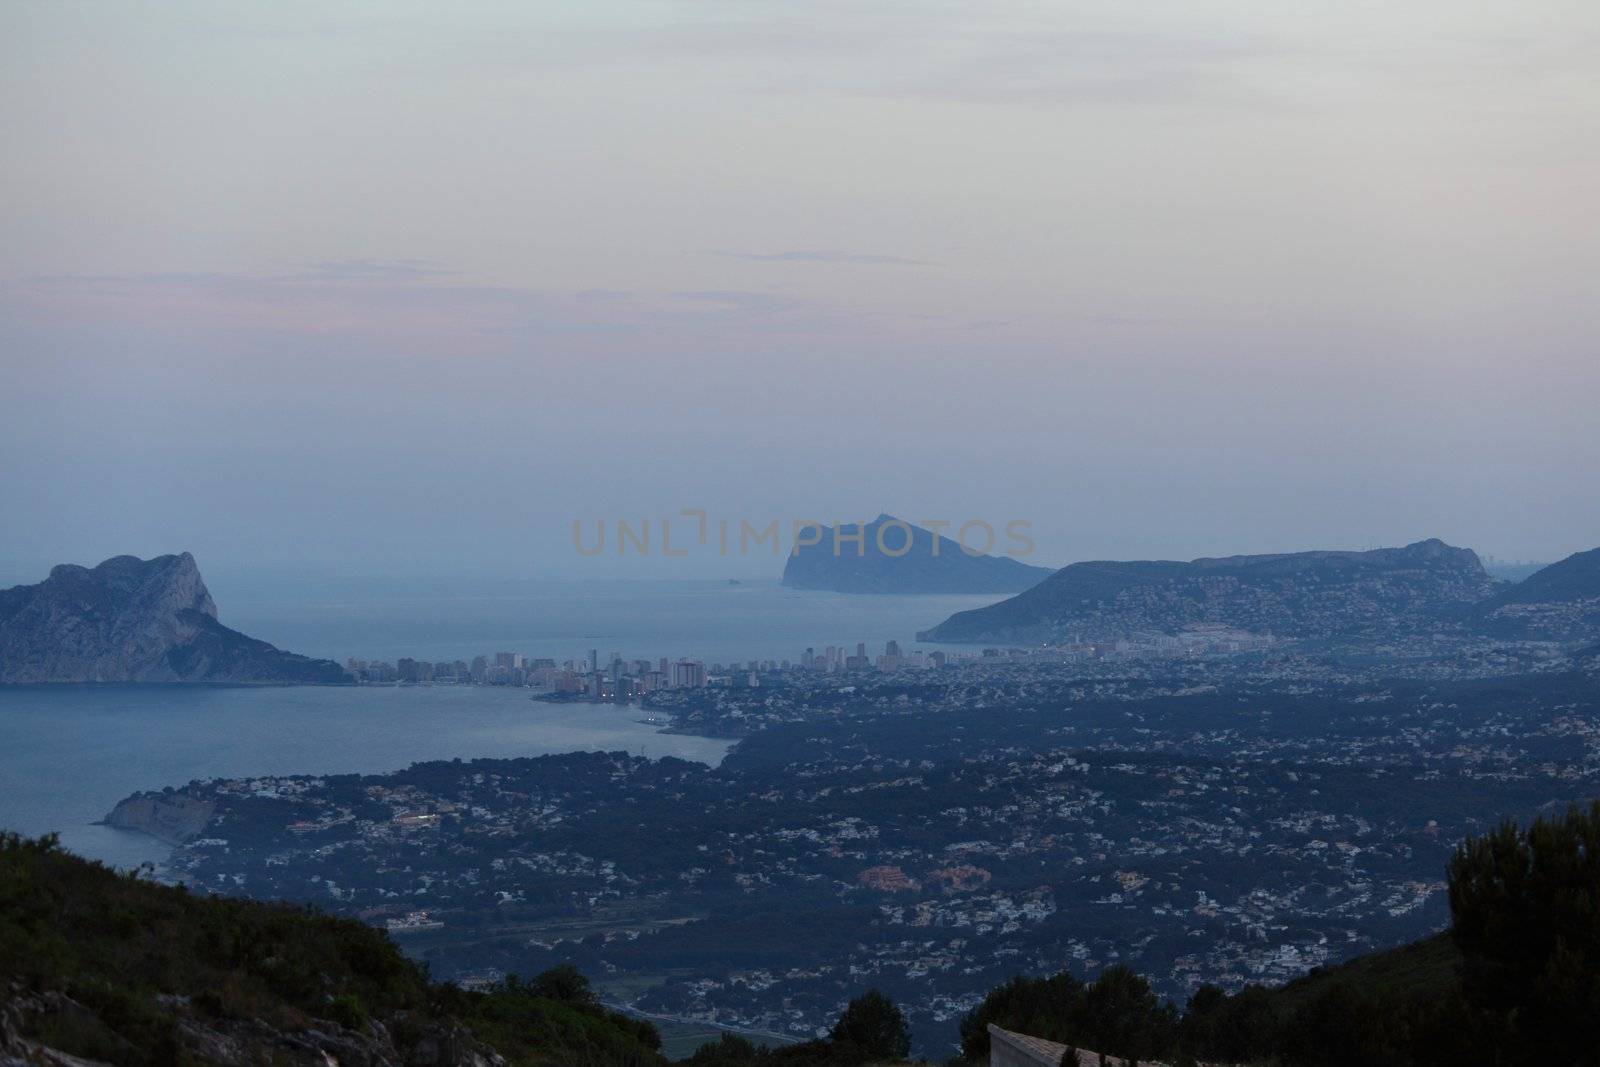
x: 1559, y: 603
x: 931, y: 563
x: 133, y: 620
x: 1299, y: 594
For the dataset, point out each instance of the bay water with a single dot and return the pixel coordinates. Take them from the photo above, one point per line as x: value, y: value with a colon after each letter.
x: 69, y: 753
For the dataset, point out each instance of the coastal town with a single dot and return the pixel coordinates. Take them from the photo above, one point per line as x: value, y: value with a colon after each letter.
x: 1228, y: 773
x: 621, y: 680
x: 930, y: 832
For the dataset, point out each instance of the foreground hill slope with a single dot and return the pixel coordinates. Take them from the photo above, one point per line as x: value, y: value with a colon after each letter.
x: 884, y: 561
x: 1515, y: 981
x: 1300, y: 594
x: 112, y: 969
x: 134, y: 620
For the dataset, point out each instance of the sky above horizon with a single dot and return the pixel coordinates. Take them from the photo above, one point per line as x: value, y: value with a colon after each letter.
x: 390, y: 288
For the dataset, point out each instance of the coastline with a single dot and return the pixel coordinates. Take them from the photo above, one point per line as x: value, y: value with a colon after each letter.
x: 71, y: 753
x: 170, y: 684
x: 172, y: 818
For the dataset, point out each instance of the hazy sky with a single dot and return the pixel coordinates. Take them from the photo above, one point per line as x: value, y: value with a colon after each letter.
x: 399, y: 286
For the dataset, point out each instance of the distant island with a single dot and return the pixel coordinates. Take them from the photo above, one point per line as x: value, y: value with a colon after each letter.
x: 890, y: 555
x: 1373, y: 595
x: 134, y: 620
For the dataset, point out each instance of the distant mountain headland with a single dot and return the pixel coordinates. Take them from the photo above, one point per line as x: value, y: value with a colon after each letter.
x: 890, y: 555
x: 1300, y: 595
x: 134, y: 620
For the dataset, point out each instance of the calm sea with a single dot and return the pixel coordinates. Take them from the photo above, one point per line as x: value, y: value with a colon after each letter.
x: 708, y: 619
x: 69, y: 753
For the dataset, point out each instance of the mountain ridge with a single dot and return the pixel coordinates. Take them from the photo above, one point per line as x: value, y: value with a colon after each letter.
x: 1558, y: 602
x: 1319, y: 593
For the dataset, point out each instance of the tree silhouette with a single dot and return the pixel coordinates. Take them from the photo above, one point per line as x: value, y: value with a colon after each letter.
x: 1525, y: 910
x: 875, y: 1025
x: 563, y: 982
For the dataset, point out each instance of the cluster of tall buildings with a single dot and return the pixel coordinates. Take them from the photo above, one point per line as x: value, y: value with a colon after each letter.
x: 835, y: 658
x: 615, y: 679
x: 504, y: 668
x: 621, y: 680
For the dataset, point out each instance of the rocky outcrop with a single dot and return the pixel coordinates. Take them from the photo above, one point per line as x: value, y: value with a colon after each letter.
x: 171, y: 817
x: 890, y: 555
x: 133, y: 620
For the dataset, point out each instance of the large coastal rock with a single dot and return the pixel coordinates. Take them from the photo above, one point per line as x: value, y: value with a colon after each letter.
x: 172, y: 817
x: 928, y: 563
x: 134, y: 620
x: 1374, y: 594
